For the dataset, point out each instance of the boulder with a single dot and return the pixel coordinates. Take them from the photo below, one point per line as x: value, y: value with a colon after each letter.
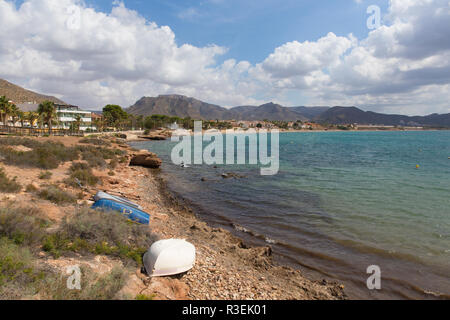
x: 147, y: 160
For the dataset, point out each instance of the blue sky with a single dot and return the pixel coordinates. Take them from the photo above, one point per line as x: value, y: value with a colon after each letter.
x: 251, y: 29
x: 230, y: 53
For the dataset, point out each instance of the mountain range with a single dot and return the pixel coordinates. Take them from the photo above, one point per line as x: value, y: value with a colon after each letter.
x: 181, y: 106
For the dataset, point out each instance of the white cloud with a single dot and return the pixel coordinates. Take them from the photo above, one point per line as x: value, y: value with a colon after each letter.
x: 118, y: 57
x: 402, y: 66
x: 107, y: 58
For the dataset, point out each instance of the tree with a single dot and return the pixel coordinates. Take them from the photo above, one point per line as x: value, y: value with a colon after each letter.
x: 6, y: 109
x: 114, y: 115
x: 47, y: 112
x: 15, y: 113
x: 3, y: 104
x: 78, y: 122
x: 31, y: 117
x: 99, y: 124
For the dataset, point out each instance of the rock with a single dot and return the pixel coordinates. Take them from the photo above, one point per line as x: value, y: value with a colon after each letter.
x: 147, y: 160
x: 155, y: 137
x: 229, y: 175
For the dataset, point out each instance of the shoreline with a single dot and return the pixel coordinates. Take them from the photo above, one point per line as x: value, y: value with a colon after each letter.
x: 226, y: 267
x: 264, y: 278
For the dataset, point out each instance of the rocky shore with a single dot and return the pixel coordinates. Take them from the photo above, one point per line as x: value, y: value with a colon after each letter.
x: 226, y: 268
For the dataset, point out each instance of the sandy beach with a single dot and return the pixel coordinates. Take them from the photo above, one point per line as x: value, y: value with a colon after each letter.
x: 226, y: 268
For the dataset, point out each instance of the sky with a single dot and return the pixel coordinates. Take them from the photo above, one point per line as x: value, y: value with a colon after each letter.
x: 229, y: 52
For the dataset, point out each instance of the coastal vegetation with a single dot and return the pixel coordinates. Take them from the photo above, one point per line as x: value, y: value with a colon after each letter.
x: 97, y: 232
x: 7, y: 184
x: 56, y: 195
x: 24, y: 232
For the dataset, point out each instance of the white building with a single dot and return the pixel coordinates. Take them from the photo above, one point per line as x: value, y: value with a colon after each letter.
x: 67, y: 116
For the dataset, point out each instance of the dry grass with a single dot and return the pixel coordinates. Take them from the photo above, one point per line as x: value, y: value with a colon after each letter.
x: 8, y: 185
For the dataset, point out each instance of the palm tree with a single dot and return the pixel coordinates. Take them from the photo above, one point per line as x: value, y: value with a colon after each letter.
x: 31, y: 117
x: 14, y: 113
x: 78, y: 121
x: 22, y: 117
x: 7, y: 108
x: 3, y: 106
x: 47, y: 112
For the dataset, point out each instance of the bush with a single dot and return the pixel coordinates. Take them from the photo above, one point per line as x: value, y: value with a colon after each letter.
x: 56, y: 195
x: 113, y: 163
x: 23, y: 225
x: 18, y: 275
x: 105, y: 287
x: 46, y: 175
x: 144, y: 297
x: 96, y: 141
x: 99, y: 232
x: 8, y: 185
x: 84, y: 174
x: 45, y: 155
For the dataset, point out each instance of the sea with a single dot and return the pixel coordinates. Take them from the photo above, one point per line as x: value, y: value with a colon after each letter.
x: 340, y: 203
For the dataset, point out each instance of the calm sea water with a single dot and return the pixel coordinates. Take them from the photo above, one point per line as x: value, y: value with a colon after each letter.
x: 341, y: 202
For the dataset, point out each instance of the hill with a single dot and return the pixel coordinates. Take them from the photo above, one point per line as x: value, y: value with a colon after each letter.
x: 181, y: 106
x: 347, y: 115
x: 177, y: 105
x: 20, y: 95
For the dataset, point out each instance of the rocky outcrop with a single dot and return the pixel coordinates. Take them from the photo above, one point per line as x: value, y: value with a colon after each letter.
x: 155, y: 137
x: 146, y: 159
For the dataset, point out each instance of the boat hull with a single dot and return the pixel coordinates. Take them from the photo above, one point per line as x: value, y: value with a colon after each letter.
x: 130, y: 212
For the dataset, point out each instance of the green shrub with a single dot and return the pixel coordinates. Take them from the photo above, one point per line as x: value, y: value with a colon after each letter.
x: 44, y: 155
x: 23, y: 225
x: 46, y: 175
x: 96, y: 141
x: 83, y: 173
x: 93, y: 287
x: 143, y: 297
x: 105, y: 233
x: 19, y: 276
x: 8, y: 185
x: 56, y: 195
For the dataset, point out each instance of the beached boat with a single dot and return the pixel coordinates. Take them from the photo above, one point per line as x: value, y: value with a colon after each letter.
x: 169, y: 257
x: 130, y: 212
x: 103, y: 195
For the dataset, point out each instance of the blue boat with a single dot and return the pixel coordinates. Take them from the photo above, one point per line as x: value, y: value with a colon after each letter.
x: 103, y: 195
x: 131, y: 213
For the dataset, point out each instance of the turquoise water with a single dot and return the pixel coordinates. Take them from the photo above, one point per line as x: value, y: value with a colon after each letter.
x: 341, y: 202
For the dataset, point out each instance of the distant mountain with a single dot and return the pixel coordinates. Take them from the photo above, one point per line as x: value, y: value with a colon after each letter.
x: 177, y: 105
x: 20, y: 95
x: 269, y: 111
x: 310, y: 112
x: 347, y: 115
x: 181, y: 106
